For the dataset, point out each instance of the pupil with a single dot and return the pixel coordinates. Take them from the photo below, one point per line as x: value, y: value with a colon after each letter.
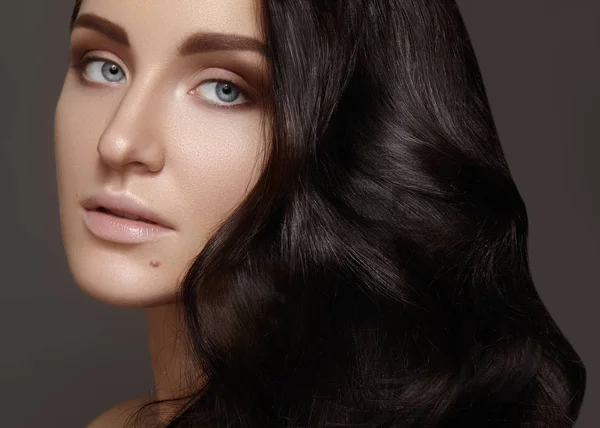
x: 227, y: 92
x: 111, y: 70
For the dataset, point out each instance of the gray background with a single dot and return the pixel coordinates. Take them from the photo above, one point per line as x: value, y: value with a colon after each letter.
x: 65, y: 357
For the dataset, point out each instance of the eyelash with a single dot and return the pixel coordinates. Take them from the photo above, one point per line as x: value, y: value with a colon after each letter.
x: 89, y: 59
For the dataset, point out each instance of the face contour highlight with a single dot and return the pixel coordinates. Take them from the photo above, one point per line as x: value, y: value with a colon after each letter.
x: 159, y: 124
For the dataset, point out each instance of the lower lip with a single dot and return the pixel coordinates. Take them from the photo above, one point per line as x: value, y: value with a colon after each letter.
x: 123, y: 230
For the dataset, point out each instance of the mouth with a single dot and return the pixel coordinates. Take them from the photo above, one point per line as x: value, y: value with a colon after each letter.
x: 122, y: 227
x: 125, y: 206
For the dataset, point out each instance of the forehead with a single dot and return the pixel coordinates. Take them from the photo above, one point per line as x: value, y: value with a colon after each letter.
x: 162, y: 23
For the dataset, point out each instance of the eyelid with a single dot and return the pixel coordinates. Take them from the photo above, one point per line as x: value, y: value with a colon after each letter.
x: 92, y: 57
x: 221, y: 75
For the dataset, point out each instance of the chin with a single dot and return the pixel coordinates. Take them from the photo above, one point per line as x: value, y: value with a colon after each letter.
x: 122, y: 276
x: 131, y: 288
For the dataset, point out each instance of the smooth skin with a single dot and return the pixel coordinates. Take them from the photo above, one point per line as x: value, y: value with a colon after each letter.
x: 149, y: 122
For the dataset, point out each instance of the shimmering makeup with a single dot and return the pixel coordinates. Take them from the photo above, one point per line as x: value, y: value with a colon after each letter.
x: 150, y: 115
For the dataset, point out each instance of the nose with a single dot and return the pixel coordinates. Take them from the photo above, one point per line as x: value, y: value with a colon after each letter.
x: 132, y: 138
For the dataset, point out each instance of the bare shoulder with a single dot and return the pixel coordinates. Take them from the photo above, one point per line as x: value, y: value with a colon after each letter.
x: 116, y: 416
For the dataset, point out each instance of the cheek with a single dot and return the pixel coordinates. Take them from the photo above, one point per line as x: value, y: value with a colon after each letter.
x: 67, y: 130
x: 79, y: 121
x: 219, y: 164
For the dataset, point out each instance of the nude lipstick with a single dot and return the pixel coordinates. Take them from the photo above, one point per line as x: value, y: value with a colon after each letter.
x: 123, y: 219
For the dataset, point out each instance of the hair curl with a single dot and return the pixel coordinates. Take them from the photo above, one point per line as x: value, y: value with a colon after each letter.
x: 377, y: 275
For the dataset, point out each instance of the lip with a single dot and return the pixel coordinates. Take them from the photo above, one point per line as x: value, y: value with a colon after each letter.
x: 119, y: 229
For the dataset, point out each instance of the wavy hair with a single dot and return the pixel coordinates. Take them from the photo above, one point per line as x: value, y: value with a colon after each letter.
x: 377, y: 275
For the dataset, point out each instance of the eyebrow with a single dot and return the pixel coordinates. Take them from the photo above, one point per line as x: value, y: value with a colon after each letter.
x: 195, y: 43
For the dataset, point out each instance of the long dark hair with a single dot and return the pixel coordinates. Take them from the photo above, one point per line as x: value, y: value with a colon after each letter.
x: 377, y: 275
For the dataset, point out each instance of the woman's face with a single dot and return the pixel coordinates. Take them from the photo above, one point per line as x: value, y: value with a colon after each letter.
x: 158, y: 122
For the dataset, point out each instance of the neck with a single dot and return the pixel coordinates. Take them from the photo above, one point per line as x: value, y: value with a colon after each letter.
x: 171, y: 364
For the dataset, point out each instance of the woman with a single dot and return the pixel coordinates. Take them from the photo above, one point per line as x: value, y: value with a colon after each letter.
x: 327, y: 231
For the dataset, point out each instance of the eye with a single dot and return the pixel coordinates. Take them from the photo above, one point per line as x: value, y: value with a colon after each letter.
x: 223, y: 93
x: 101, y: 70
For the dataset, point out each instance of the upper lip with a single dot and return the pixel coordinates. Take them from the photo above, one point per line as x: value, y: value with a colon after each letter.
x: 124, y: 203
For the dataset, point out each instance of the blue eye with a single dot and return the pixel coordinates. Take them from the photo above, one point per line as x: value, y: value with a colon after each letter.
x: 223, y: 93
x: 97, y: 70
